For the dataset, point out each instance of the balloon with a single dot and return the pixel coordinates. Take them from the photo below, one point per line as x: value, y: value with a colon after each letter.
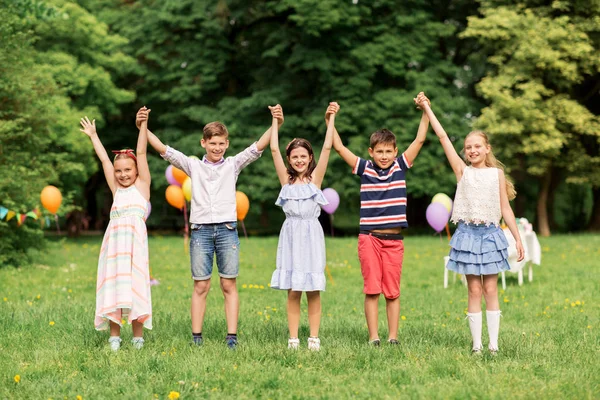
x: 170, y: 178
x: 333, y: 198
x: 149, y: 210
x: 179, y: 175
x: 194, y: 157
x: 442, y: 198
x: 187, y: 188
x: 175, y: 197
x: 437, y: 216
x: 51, y: 198
x: 242, y: 205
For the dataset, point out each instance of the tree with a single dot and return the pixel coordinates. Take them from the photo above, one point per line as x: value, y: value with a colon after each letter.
x: 541, y: 57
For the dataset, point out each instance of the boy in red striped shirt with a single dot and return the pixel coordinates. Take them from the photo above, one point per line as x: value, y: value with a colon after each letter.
x: 382, y: 217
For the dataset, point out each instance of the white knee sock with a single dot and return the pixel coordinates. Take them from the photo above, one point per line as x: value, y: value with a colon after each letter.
x: 493, y: 323
x: 475, y: 325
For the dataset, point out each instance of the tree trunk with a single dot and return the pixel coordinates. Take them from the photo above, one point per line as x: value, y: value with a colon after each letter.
x: 594, y: 224
x: 542, y: 205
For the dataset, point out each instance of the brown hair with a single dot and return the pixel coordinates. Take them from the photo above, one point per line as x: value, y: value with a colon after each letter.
x: 294, y: 144
x: 492, y: 162
x: 214, y: 129
x: 384, y: 136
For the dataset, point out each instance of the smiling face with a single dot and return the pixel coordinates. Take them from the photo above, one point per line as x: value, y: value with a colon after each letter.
x: 476, y: 150
x: 215, y: 147
x: 383, y: 154
x: 299, y: 159
x: 125, y: 171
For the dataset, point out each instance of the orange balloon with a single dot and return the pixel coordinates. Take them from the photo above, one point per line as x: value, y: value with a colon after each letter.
x: 51, y: 198
x: 179, y: 175
x: 242, y: 205
x: 174, y: 196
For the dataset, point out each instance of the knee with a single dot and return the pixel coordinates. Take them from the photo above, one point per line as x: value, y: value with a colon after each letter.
x: 475, y: 291
x: 201, y: 288
x: 490, y: 290
x: 294, y: 295
x: 228, y: 286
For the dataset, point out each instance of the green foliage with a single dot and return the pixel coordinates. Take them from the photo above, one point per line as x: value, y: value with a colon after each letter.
x: 549, y: 332
x: 48, y: 80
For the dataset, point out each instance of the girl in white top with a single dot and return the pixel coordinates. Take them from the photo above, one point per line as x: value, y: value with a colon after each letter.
x: 479, y: 246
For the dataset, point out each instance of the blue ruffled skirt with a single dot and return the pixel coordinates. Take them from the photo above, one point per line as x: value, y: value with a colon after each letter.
x: 478, y: 250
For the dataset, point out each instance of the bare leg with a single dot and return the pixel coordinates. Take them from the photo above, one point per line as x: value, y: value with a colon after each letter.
x: 490, y: 292
x: 475, y: 290
x: 371, y: 311
x: 293, y: 311
x: 232, y: 306
x: 138, y: 329
x: 199, y: 295
x: 314, y: 312
x: 392, y: 307
x: 115, y: 329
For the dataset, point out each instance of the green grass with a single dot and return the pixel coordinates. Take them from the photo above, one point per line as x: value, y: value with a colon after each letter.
x: 548, y: 337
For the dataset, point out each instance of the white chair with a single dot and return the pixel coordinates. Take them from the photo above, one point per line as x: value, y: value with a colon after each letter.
x: 462, y: 277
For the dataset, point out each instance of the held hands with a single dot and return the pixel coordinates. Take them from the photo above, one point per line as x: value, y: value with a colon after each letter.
x: 420, y: 101
x: 142, y: 115
x: 89, y: 128
x: 277, y: 113
x: 332, y: 109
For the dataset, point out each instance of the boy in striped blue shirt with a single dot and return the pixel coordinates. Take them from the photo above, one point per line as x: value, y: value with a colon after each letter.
x: 382, y: 217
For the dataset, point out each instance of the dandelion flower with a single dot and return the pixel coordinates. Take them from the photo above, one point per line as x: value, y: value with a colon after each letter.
x: 578, y: 302
x: 5, y: 299
x: 38, y: 297
x: 79, y: 397
x: 17, y: 378
x: 403, y: 318
x: 173, y: 395
x: 51, y: 323
x: 244, y: 286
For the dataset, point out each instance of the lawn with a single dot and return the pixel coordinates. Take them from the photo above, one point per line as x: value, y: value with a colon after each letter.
x: 549, y: 335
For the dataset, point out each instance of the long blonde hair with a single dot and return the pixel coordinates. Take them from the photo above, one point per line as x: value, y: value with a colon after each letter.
x: 492, y: 162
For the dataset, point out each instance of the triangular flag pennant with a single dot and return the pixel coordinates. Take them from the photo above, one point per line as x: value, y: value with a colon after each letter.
x: 37, y: 212
x: 47, y: 221
x: 19, y: 219
x: 3, y: 212
x: 32, y: 214
x: 9, y: 215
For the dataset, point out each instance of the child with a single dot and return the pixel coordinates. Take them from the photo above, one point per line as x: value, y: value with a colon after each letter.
x: 213, y: 217
x: 479, y: 247
x: 382, y: 217
x: 123, y: 286
x: 301, y: 249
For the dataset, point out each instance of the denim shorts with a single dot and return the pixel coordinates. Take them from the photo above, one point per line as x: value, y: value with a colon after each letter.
x: 208, y: 239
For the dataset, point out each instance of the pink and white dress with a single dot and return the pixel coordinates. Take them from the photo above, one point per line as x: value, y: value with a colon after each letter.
x: 123, y: 286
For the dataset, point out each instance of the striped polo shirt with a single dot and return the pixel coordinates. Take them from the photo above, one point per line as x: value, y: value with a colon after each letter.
x: 382, y: 194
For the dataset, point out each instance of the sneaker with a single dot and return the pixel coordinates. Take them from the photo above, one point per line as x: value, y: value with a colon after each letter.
x: 314, y: 344
x: 393, y: 342
x: 137, y: 343
x: 493, y: 351
x: 293, y: 343
x: 115, y: 343
x: 476, y: 351
x: 231, y: 342
x: 375, y: 342
x: 197, y: 341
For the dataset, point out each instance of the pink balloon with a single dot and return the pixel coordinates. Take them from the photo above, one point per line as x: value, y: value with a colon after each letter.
x: 437, y: 216
x: 170, y: 178
x: 333, y: 198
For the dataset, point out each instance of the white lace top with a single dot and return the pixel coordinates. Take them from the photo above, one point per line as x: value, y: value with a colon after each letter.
x: 477, y: 197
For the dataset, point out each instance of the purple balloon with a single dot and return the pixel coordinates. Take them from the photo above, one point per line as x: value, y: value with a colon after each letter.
x: 437, y: 216
x: 333, y: 198
x: 170, y: 178
x: 149, y: 210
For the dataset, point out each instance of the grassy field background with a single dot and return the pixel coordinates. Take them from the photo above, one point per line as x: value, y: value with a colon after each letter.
x: 549, y: 337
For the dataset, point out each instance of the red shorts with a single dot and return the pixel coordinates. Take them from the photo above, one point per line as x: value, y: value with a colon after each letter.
x: 381, y: 265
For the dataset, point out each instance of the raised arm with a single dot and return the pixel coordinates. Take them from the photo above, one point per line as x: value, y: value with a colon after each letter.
x: 142, y: 115
x: 319, y: 172
x: 338, y: 145
x: 89, y: 128
x: 509, y: 216
x: 265, y: 139
x: 142, y: 159
x: 457, y: 164
x: 280, y: 168
x: 415, y: 147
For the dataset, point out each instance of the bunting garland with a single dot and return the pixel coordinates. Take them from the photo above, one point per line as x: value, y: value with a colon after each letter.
x: 35, y: 214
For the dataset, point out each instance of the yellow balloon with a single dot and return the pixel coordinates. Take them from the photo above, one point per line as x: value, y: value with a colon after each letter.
x: 443, y: 199
x: 187, y: 188
x: 242, y: 205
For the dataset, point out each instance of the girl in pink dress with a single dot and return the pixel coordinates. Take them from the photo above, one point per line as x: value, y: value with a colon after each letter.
x: 123, y: 286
